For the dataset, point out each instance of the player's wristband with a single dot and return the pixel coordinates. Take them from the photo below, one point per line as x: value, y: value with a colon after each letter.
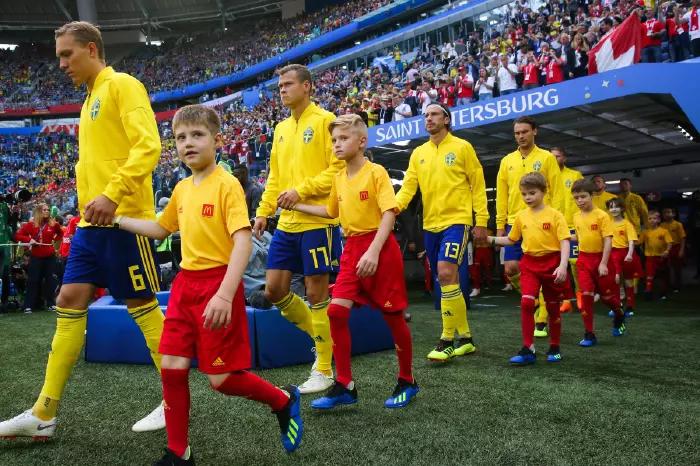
x: 117, y: 221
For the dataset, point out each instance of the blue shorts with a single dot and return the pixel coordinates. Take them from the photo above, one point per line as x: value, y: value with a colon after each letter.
x: 573, y: 251
x: 312, y: 252
x: 514, y: 252
x: 448, y: 245
x: 114, y: 259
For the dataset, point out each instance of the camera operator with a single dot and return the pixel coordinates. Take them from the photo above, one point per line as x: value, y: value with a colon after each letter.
x: 40, y: 232
x: 8, y: 223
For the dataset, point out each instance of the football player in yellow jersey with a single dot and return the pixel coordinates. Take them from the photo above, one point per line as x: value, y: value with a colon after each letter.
x: 302, y: 167
x: 675, y: 257
x: 568, y: 178
x: 453, y: 191
x: 119, y: 148
x: 526, y: 159
x: 600, y: 195
x: 636, y: 210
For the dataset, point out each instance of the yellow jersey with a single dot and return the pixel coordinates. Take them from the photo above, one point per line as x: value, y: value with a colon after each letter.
x: 451, y: 181
x: 599, y: 200
x: 656, y: 241
x: 623, y: 233
x: 676, y: 229
x: 541, y: 232
x: 636, y: 210
x: 591, y: 229
x: 509, y: 201
x: 207, y: 215
x: 301, y: 158
x: 118, y: 146
x: 568, y: 176
x: 361, y: 201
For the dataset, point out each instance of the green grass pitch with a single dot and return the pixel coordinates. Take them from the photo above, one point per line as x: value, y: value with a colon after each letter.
x: 631, y: 400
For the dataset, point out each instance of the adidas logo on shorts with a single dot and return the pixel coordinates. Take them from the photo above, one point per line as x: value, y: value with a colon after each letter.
x: 218, y: 362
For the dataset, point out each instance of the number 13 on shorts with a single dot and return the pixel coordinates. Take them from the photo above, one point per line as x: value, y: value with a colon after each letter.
x: 452, y: 250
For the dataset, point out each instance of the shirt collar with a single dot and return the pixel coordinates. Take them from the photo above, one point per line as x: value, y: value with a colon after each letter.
x: 101, y: 76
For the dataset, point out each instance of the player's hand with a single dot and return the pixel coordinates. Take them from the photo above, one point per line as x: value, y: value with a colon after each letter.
x: 100, y: 211
x: 479, y: 233
x: 603, y: 270
x: 259, y: 226
x: 628, y: 258
x: 559, y: 274
x: 367, y: 265
x: 500, y: 232
x: 288, y: 199
x: 217, y: 313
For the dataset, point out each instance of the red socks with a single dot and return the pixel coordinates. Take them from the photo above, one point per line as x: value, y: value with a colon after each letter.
x: 176, y: 394
x: 587, y: 311
x: 527, y: 320
x: 340, y: 334
x: 402, y: 342
x: 554, y: 323
x: 248, y: 385
x: 342, y: 343
x: 630, y: 297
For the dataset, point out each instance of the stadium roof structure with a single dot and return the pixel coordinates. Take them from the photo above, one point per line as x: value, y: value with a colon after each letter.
x: 19, y: 18
x: 606, y: 123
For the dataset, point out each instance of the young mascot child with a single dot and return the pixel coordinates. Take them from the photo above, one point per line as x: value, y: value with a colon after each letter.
x: 625, y: 260
x: 545, y: 237
x: 206, y: 316
x: 371, y: 267
x: 657, y: 243
x: 677, y: 253
x: 596, y: 273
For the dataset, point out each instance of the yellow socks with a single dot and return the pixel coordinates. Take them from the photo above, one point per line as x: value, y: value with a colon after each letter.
x: 574, y: 274
x: 150, y: 320
x: 454, y: 312
x: 322, y: 338
x: 295, y: 310
x: 541, y: 313
x: 515, y: 281
x: 65, y: 348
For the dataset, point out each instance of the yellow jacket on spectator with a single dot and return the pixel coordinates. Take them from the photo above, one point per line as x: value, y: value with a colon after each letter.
x: 301, y: 158
x: 451, y: 181
x: 513, y: 166
x: 119, y: 145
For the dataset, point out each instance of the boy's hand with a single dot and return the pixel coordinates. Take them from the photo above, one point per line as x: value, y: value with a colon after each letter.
x: 628, y: 258
x: 217, y: 313
x: 287, y: 199
x: 479, y: 233
x: 603, y: 269
x: 560, y: 274
x: 259, y: 226
x: 367, y: 265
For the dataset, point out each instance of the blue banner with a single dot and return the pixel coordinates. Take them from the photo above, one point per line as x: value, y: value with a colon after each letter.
x: 678, y: 79
x: 27, y: 131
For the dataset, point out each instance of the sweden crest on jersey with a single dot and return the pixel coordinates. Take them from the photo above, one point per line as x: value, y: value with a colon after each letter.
x: 308, y: 135
x: 537, y: 166
x: 95, y: 109
x: 450, y: 159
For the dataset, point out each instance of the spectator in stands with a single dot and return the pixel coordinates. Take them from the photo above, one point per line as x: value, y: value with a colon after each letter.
x: 578, y: 66
x: 465, y: 87
x: 253, y: 190
x: 484, y: 86
x: 692, y: 21
x: 653, y: 31
x: 506, y: 74
x: 41, y: 232
x: 531, y: 71
x: 401, y: 109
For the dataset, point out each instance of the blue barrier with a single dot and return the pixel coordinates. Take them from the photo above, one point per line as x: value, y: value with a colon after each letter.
x: 280, y: 343
x: 113, y: 337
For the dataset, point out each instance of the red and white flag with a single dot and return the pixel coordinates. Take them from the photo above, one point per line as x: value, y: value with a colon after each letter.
x: 617, y: 49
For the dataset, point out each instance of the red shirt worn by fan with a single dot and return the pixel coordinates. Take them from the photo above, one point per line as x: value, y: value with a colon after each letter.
x: 47, y: 234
